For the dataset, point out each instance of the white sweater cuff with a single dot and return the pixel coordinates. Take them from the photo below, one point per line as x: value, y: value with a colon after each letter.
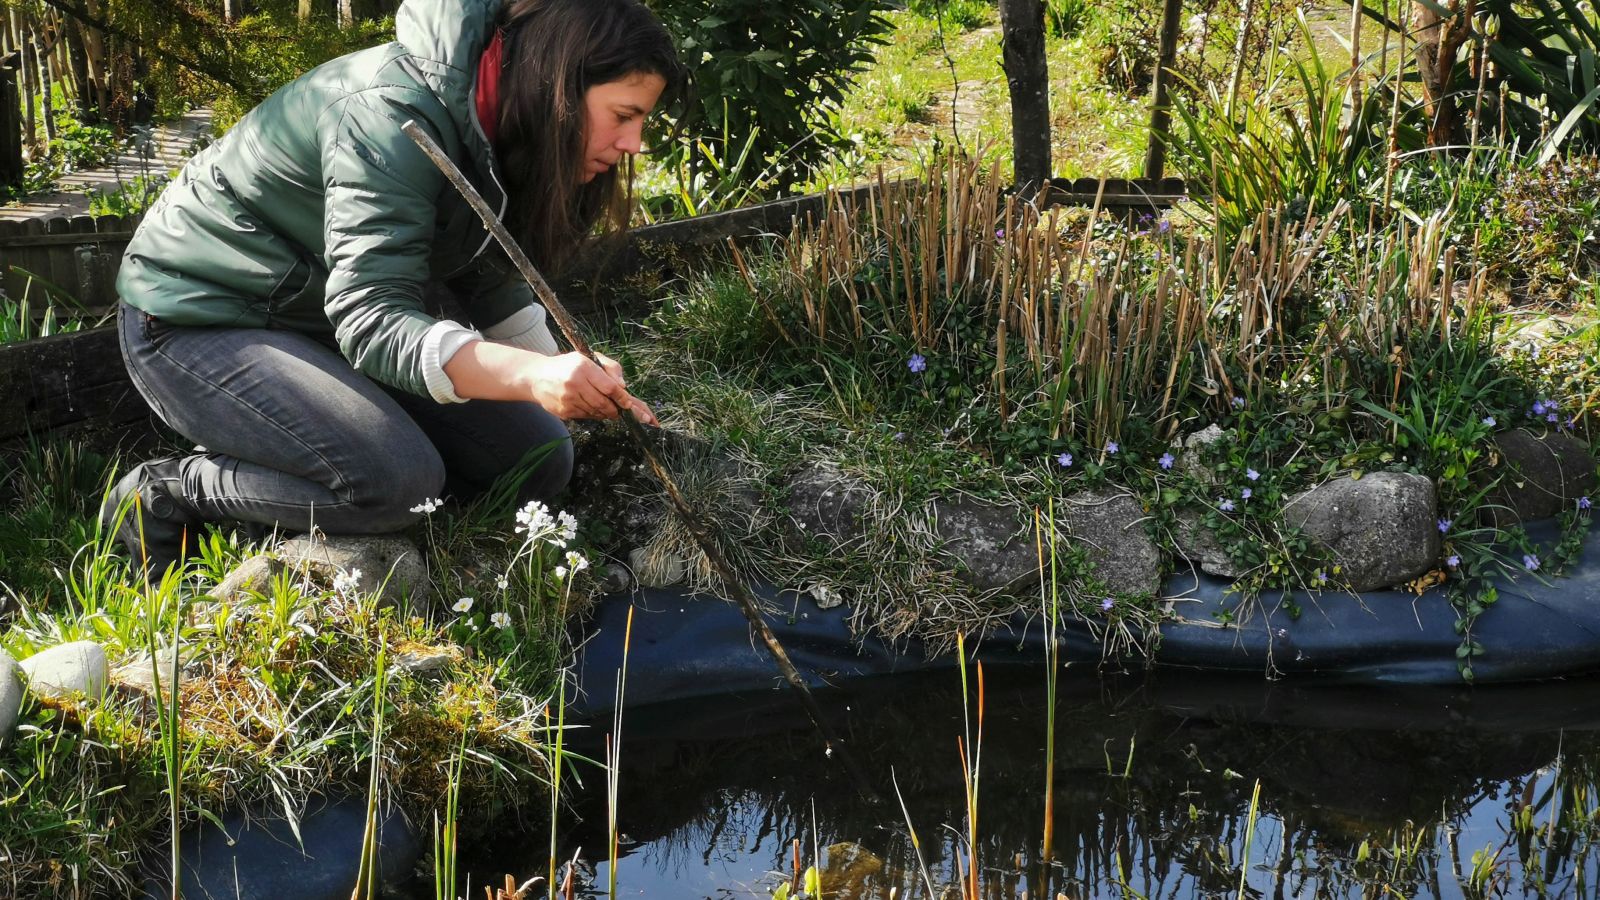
x: 525, y: 329
x: 439, y: 344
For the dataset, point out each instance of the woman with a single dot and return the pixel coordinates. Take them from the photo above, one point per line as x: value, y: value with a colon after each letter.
x: 279, y: 300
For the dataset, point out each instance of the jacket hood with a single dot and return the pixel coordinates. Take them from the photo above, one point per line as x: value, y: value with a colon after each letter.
x: 445, y: 39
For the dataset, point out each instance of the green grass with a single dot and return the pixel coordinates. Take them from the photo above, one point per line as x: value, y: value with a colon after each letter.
x: 280, y: 689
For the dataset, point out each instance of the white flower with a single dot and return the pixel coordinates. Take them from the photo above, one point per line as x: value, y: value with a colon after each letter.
x: 568, y: 529
x: 345, y: 583
x: 502, y: 583
x: 463, y: 605
x: 576, y: 561
x: 500, y: 620
x: 561, y: 571
x: 427, y: 506
x: 534, y: 518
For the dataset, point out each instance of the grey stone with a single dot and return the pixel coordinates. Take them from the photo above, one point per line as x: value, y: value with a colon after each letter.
x: 12, y: 688
x: 1541, y: 475
x: 827, y: 503
x: 68, y: 670
x: 993, y: 545
x: 1191, y: 452
x: 419, y: 659
x: 657, y: 569
x: 389, y: 566
x: 825, y: 596
x: 136, y: 673
x: 615, y: 578
x: 253, y: 576
x: 1381, y: 529
x: 1199, y: 545
x: 1109, y: 524
x: 257, y: 856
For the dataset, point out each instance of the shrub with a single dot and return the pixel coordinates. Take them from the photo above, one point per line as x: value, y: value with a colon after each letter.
x: 777, y: 67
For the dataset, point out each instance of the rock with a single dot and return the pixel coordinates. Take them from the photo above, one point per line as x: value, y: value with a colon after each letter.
x: 137, y: 674
x: 825, y: 597
x: 615, y: 578
x: 253, y: 576
x: 389, y: 566
x: 826, y: 503
x: 657, y: 569
x: 1541, y: 476
x: 12, y: 688
x: 421, y: 659
x: 258, y: 857
x: 1191, y: 453
x: 1109, y: 525
x: 1381, y: 529
x: 851, y: 871
x: 993, y: 545
x: 1199, y: 545
x: 68, y: 670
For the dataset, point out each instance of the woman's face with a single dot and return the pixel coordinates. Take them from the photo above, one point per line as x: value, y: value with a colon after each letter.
x: 614, y: 114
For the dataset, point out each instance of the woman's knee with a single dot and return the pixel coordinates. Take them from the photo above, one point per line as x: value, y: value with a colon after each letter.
x: 389, y: 492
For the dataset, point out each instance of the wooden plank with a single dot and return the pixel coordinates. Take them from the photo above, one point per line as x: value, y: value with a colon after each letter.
x: 51, y: 240
x: 65, y: 380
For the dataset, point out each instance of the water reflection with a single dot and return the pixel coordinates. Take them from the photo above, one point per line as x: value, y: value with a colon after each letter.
x: 1363, y: 791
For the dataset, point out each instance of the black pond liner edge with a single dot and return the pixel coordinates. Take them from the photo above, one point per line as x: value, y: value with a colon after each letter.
x: 684, y: 646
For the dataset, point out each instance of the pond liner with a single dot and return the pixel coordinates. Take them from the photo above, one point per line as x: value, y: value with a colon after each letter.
x: 685, y: 646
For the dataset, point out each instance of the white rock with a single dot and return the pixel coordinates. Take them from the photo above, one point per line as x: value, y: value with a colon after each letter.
x: 68, y: 670
x: 11, y: 688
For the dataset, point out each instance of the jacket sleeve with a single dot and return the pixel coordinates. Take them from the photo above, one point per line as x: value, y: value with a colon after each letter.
x: 503, y: 305
x: 381, y: 192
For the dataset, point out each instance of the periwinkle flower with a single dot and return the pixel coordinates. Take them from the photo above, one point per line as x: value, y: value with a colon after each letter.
x: 917, y: 362
x: 1530, y: 562
x: 1165, y: 461
x: 1225, y: 504
x: 1065, y: 460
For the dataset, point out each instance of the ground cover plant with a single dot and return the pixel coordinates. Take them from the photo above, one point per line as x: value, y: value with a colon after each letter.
x: 278, y: 688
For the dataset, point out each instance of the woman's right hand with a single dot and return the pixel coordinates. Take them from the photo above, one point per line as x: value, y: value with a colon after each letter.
x: 572, y: 386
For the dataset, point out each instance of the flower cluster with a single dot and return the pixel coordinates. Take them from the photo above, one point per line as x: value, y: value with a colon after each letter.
x: 346, y: 583
x: 535, y: 521
x: 427, y: 507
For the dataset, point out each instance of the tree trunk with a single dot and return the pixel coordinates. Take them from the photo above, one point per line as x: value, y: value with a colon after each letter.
x: 11, y: 166
x: 1155, y: 158
x: 230, y: 11
x: 94, y: 46
x: 347, y: 13
x: 47, y: 103
x: 1439, y: 38
x: 30, y: 125
x: 1028, y: 77
x: 304, y: 10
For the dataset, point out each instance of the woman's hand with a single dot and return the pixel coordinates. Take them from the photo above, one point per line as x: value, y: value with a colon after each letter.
x: 572, y: 386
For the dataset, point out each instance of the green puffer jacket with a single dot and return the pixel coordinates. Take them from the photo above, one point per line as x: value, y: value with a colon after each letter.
x: 316, y: 213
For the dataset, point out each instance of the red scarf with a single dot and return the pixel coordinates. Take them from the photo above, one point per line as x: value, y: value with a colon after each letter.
x: 489, y: 86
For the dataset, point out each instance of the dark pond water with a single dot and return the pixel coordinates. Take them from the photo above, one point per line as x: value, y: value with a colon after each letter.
x: 1363, y: 791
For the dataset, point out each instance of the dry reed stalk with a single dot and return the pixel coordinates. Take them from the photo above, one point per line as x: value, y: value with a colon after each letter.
x: 756, y: 292
x: 1000, y: 367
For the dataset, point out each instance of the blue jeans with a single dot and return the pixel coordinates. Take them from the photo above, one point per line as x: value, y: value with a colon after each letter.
x: 294, y: 437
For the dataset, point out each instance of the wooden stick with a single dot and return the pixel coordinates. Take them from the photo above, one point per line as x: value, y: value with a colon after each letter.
x: 696, y: 525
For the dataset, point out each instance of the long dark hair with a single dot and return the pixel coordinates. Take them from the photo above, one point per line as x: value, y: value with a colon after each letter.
x: 555, y: 51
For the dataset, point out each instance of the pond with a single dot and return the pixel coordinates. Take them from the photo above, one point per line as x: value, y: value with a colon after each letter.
x: 1163, y: 783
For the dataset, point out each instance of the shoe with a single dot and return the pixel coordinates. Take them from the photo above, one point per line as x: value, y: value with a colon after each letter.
x: 170, y: 525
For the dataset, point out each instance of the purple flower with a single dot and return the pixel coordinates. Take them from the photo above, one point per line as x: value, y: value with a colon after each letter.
x: 999, y: 234
x: 1163, y: 226
x: 1107, y: 603
x: 1444, y: 525
x: 900, y: 436
x: 1489, y: 421
x: 1238, y: 402
x: 1583, y: 502
x: 1539, y: 408
x: 1065, y: 460
x: 1112, y: 448
x: 1245, y: 494
x: 1452, y: 560
x: 917, y: 362
x: 1530, y: 562
x: 1322, y: 577
x: 1552, y: 418
x: 1252, y: 474
x: 1225, y: 504
x: 1165, y: 461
